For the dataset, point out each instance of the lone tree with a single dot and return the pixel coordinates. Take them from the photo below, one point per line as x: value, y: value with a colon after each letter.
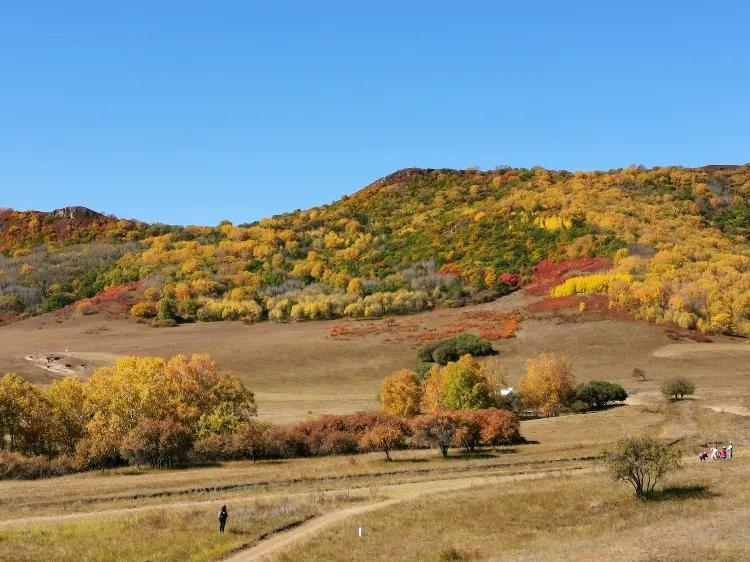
x: 641, y: 462
x: 677, y: 389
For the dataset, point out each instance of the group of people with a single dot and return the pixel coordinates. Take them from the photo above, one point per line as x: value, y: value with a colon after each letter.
x: 718, y: 454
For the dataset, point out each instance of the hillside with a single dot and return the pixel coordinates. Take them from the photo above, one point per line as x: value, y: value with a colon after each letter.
x: 677, y: 239
x: 51, y: 259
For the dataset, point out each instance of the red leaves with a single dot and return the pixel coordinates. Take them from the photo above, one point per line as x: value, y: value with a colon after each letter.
x: 548, y: 274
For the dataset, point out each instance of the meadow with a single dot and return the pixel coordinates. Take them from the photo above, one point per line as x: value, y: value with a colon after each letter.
x: 546, y: 499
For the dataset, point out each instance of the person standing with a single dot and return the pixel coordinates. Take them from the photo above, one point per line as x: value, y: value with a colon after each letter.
x: 223, y: 516
x: 730, y: 449
x: 723, y: 453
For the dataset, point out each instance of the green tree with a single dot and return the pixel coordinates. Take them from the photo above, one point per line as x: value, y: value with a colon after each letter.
x: 597, y: 394
x: 167, y: 308
x: 466, y: 386
x: 641, y: 462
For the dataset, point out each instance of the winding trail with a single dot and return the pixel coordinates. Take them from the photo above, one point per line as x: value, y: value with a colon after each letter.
x: 400, y: 493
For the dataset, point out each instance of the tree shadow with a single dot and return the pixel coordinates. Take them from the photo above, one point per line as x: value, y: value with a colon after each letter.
x: 610, y: 406
x: 506, y: 451
x: 678, y: 493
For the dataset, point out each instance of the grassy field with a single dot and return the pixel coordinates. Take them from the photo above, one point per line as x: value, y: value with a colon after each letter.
x: 301, y: 369
x: 160, y: 535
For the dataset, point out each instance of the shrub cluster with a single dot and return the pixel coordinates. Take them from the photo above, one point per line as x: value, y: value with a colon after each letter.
x: 360, y: 433
x: 17, y: 466
x: 447, y: 350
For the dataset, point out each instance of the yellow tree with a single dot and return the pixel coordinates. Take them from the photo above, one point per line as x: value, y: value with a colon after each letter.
x: 69, y: 419
x: 401, y: 394
x: 548, y: 383
x: 132, y: 390
x: 432, y: 395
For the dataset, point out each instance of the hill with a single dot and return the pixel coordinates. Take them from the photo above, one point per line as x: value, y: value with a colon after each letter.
x: 676, y: 239
x: 51, y: 259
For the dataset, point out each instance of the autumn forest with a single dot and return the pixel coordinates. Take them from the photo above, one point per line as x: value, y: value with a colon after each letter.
x: 674, y: 242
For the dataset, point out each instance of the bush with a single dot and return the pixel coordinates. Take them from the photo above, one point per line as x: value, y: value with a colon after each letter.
x: 677, y: 389
x: 252, y: 440
x: 498, y: 427
x: 15, y: 466
x: 421, y: 372
x: 597, y: 394
x: 445, y: 351
x: 211, y: 448
x: 143, y: 310
x: 385, y: 435
x: 56, y: 301
x: 167, y: 308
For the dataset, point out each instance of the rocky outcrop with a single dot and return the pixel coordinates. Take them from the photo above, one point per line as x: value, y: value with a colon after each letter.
x: 73, y: 213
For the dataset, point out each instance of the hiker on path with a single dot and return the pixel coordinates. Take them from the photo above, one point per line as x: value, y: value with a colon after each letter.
x: 723, y: 453
x: 730, y: 449
x: 223, y: 515
x: 714, y: 454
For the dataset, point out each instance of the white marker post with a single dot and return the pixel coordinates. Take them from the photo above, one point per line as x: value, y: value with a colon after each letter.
x: 359, y: 532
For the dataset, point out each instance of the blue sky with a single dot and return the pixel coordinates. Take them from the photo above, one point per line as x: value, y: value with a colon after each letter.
x: 194, y: 112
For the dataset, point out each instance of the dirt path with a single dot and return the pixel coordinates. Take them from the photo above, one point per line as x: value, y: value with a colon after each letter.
x: 400, y: 492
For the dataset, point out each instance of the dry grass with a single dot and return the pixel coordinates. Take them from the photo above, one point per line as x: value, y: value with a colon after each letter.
x: 568, y: 518
x: 163, y: 535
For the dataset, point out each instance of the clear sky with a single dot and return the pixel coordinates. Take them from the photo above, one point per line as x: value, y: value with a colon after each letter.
x: 193, y: 112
